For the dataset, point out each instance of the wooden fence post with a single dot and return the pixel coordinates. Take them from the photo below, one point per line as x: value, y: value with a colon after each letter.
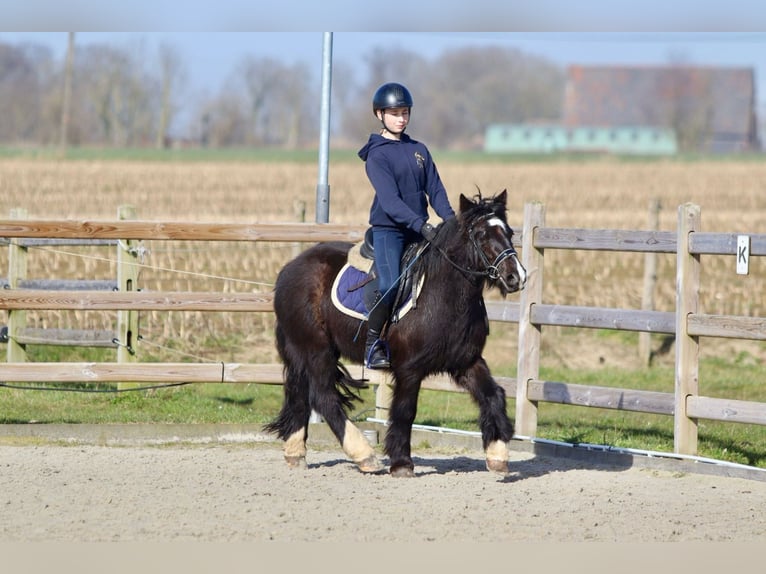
x: 687, y: 346
x: 127, y: 280
x: 17, y: 271
x: 384, y: 393
x: 529, y: 333
x: 650, y: 282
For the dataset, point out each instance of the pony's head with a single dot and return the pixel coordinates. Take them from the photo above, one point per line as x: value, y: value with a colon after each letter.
x: 490, y: 238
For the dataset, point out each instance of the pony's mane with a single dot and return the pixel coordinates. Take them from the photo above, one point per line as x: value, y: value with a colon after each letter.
x: 484, y: 206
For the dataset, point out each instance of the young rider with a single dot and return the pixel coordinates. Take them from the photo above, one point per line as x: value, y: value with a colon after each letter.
x: 405, y: 179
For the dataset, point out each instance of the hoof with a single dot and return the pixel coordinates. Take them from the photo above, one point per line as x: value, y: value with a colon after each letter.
x: 370, y: 464
x: 403, y: 472
x: 495, y: 465
x: 298, y: 462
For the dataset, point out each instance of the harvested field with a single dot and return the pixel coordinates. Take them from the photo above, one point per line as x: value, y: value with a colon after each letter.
x: 590, y: 194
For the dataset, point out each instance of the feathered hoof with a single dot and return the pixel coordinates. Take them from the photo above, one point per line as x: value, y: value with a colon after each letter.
x: 297, y: 462
x: 370, y: 464
x: 496, y: 465
x: 403, y: 471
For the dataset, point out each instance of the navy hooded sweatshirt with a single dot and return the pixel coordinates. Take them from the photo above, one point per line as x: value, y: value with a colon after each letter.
x: 405, y: 179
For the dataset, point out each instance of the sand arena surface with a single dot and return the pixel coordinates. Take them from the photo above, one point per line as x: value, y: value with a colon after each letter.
x: 245, y: 492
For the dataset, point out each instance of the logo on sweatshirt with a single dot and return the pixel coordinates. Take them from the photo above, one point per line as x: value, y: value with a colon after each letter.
x: 420, y: 159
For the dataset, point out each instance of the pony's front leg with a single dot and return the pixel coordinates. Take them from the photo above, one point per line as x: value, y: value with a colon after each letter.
x: 496, y: 427
x: 399, y: 435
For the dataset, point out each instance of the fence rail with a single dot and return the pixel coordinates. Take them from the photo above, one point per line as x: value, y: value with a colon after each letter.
x: 170, y: 230
x: 531, y: 314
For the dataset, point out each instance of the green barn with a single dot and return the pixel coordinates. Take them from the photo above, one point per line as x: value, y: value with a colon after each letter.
x: 540, y: 139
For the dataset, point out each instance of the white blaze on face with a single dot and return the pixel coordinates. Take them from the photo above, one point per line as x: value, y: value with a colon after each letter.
x: 496, y: 221
x: 521, y: 271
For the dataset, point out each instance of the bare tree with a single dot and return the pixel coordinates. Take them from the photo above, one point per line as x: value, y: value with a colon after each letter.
x: 117, y: 99
x: 120, y: 100
x: 463, y: 91
x: 220, y: 121
x: 260, y: 78
x: 66, y: 100
x: 172, y: 75
x: 26, y: 74
x: 385, y: 65
x: 277, y: 99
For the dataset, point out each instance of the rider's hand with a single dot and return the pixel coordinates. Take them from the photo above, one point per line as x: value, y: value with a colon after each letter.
x: 428, y: 231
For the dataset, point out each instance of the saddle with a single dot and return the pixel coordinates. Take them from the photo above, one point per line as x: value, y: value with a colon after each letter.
x: 353, y: 290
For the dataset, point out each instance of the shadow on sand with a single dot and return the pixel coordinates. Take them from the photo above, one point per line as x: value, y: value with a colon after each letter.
x: 541, y: 462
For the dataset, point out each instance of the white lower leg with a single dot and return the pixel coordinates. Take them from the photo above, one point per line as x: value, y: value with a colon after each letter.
x: 498, y: 450
x: 295, y: 445
x: 355, y: 445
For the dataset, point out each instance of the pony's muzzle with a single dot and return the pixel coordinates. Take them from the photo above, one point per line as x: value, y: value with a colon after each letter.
x: 516, y: 279
x: 522, y: 273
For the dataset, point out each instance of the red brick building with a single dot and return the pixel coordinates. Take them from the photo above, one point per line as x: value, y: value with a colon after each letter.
x: 711, y: 109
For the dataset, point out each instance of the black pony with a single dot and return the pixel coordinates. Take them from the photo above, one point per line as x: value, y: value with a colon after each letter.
x: 445, y: 332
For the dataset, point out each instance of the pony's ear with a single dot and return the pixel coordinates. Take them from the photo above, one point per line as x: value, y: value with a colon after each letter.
x: 502, y: 197
x: 465, y: 203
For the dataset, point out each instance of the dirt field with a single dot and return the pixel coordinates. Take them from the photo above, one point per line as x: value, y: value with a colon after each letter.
x: 243, y: 491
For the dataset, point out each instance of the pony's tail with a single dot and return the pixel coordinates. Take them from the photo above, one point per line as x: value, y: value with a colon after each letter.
x: 280, y: 425
x: 294, y: 411
x: 293, y: 416
x: 348, y: 387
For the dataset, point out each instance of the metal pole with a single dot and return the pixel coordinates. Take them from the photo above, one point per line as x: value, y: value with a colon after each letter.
x: 323, y: 187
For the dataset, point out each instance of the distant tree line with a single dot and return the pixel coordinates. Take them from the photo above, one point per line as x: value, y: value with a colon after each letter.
x: 102, y: 95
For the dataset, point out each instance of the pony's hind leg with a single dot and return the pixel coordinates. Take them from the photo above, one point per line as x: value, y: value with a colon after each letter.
x: 496, y: 427
x: 292, y: 423
x: 331, y: 397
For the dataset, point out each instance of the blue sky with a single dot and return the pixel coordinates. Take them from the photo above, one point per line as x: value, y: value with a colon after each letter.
x: 210, y: 57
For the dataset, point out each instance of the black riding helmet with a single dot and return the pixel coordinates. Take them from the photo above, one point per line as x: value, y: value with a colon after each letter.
x: 390, y: 95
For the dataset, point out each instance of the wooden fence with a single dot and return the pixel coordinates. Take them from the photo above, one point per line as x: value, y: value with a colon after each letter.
x: 19, y: 335
x: 531, y: 314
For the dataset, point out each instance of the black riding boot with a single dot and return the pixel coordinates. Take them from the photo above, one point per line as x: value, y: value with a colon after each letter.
x: 375, y: 350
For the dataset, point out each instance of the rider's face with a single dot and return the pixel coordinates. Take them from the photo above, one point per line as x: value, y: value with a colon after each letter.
x: 395, y: 119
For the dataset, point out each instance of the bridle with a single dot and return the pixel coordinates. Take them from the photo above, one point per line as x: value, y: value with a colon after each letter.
x: 492, y: 270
